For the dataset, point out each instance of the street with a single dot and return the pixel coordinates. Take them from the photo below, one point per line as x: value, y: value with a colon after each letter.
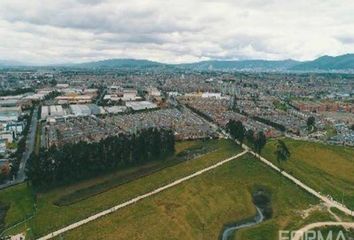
x: 30, y: 141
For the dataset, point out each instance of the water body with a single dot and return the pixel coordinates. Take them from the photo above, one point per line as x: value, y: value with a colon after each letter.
x: 262, y: 203
x: 230, y: 230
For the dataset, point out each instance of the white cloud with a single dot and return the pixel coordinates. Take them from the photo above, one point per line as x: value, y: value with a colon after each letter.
x: 173, y: 31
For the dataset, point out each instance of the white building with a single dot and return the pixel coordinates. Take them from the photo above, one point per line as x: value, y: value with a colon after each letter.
x: 7, y: 136
x: 80, y: 110
x: 129, y: 95
x: 142, y: 105
x: 116, y: 109
x: 153, y: 92
x: 2, y: 146
x: 62, y: 85
x: 211, y: 95
x: 44, y: 112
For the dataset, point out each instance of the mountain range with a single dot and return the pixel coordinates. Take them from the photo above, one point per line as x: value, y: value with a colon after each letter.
x: 322, y: 64
x: 343, y: 63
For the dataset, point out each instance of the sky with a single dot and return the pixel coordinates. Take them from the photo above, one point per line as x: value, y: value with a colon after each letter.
x: 70, y: 31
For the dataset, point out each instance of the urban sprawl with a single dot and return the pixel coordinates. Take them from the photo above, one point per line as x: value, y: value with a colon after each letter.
x: 40, y: 109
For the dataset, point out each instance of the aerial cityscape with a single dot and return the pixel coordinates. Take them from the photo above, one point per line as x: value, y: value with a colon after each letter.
x: 137, y: 120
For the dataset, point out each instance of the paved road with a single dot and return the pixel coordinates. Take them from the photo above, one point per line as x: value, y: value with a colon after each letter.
x: 299, y: 233
x: 136, y: 199
x: 30, y: 141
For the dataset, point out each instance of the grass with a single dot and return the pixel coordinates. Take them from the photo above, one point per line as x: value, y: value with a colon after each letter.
x: 12, y: 145
x: 37, y: 144
x: 342, y: 216
x: 19, y: 202
x: 328, y: 169
x: 50, y: 217
x: 185, y: 151
x: 330, y: 131
x: 280, y: 105
x: 3, y: 210
x: 199, y: 208
x: 334, y: 232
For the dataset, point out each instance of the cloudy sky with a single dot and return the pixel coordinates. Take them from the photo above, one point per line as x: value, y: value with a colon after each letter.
x: 46, y: 32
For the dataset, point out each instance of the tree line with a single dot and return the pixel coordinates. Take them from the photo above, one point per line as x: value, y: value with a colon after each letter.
x: 17, y: 91
x: 256, y: 140
x: 73, y: 162
x: 277, y: 126
x: 238, y: 131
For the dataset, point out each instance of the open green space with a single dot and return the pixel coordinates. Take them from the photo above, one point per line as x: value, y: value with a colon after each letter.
x: 327, y: 168
x: 199, y: 208
x: 49, y: 216
x: 280, y: 105
x: 185, y: 151
x: 335, y: 232
x: 17, y: 204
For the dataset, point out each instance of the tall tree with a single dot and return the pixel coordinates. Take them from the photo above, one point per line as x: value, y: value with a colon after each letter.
x: 250, y: 136
x: 310, y: 123
x: 282, y: 152
x: 236, y: 130
x: 260, y: 142
x: 73, y: 162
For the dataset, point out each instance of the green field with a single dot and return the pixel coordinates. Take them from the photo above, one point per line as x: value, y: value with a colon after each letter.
x: 196, y: 209
x: 50, y: 216
x: 199, y: 208
x: 335, y: 232
x: 328, y: 169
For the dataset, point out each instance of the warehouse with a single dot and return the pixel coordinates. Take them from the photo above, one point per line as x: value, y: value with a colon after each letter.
x: 116, y: 109
x: 80, y: 110
x: 142, y: 105
x: 8, y: 115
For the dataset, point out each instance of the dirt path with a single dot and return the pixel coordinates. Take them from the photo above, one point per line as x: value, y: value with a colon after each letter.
x: 136, y: 199
x: 300, y: 232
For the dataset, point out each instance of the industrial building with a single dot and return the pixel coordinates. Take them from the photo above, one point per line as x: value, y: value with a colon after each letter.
x: 86, y: 110
x: 8, y: 114
x: 52, y: 111
x: 141, y: 105
x: 116, y: 109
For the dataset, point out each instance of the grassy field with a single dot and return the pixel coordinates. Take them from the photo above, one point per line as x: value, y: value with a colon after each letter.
x: 20, y: 199
x: 50, y: 217
x: 199, y: 208
x: 185, y: 151
x: 335, y: 232
x: 328, y: 169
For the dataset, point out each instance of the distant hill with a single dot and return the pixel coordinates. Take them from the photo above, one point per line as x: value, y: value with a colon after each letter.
x: 327, y: 63
x: 119, y: 63
x: 343, y: 63
x: 6, y: 63
x: 252, y: 65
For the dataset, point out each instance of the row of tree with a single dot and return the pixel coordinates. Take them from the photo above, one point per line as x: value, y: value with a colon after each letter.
x: 17, y: 91
x: 238, y: 131
x: 73, y: 162
x: 277, y: 126
x: 257, y: 140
